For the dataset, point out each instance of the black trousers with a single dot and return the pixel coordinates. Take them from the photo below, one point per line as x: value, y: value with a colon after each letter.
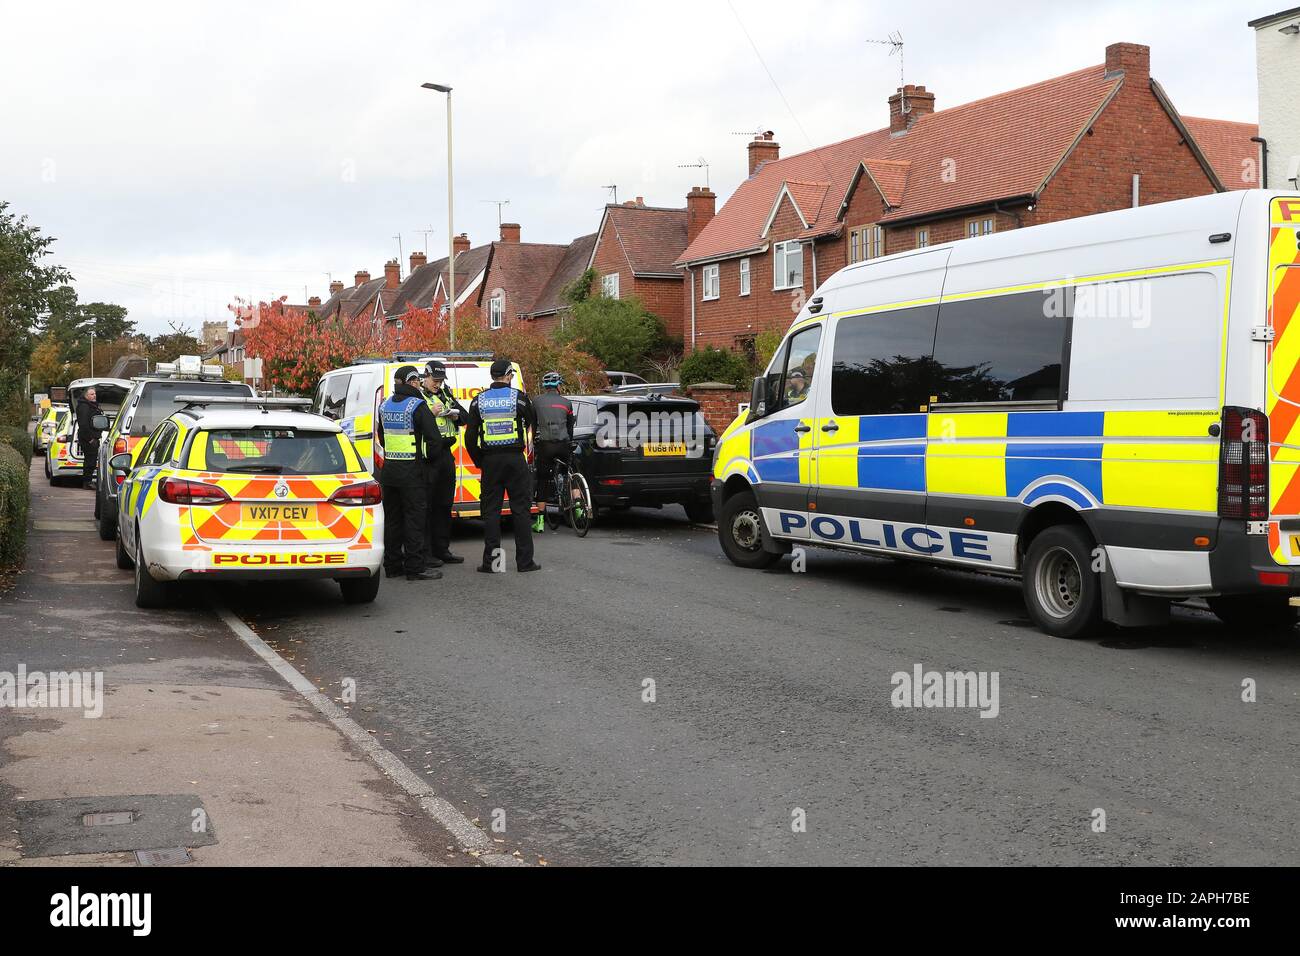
x: 545, y: 455
x: 89, y: 458
x: 506, y: 473
x: 440, y: 492
x: 405, y: 507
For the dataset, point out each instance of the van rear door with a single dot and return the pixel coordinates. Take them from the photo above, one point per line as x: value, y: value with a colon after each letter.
x: 1284, y: 379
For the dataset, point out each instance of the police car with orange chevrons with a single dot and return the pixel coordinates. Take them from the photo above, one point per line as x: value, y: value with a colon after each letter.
x: 242, y: 488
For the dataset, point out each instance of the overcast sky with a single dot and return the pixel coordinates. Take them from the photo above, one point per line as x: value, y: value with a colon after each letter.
x: 183, y: 155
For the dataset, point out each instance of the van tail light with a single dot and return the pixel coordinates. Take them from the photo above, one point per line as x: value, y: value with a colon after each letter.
x: 120, y: 478
x: 119, y: 446
x: 1243, y: 465
x: 181, y: 491
x: 365, y: 493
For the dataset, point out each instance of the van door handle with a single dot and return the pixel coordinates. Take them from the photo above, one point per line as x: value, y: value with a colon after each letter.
x: 830, y: 427
x: 802, y: 428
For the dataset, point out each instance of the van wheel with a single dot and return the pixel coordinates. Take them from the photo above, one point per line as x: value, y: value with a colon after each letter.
x: 359, y: 590
x: 148, y: 592
x: 1062, y: 592
x: 740, y: 531
x: 124, y: 561
x: 1255, y: 612
x: 49, y: 472
x: 107, y: 523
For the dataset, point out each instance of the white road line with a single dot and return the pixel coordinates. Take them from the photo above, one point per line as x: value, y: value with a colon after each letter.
x: 456, y: 823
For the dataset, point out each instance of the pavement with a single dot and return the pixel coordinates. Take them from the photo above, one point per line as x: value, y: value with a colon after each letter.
x: 189, y: 710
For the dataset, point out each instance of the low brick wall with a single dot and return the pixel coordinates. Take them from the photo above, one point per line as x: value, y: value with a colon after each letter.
x: 719, y: 402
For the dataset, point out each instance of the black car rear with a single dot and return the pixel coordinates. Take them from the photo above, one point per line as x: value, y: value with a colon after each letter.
x: 642, y: 450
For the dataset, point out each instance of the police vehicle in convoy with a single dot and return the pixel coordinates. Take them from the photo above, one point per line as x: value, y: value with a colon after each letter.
x: 1108, y: 407
x: 232, y: 487
x: 352, y: 395
x: 148, y: 402
x: 46, y: 425
x: 64, y: 456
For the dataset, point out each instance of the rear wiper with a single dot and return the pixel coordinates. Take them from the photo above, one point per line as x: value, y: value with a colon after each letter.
x: 260, y: 469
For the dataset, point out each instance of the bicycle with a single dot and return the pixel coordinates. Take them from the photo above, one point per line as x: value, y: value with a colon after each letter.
x: 572, y: 498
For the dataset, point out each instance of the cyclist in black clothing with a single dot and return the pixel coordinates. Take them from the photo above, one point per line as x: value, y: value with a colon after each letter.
x: 555, y: 420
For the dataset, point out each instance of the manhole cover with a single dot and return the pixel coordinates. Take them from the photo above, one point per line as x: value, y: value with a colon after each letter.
x: 172, y: 856
x: 63, y: 827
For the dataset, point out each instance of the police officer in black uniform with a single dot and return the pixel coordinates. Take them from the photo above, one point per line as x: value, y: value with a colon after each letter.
x: 440, y: 465
x: 405, y: 426
x: 88, y: 435
x: 496, y: 436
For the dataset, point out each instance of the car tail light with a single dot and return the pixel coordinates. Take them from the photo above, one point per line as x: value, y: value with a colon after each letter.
x: 615, y: 482
x: 365, y: 493
x: 120, y: 478
x: 181, y: 491
x: 1243, y: 465
x: 119, y: 446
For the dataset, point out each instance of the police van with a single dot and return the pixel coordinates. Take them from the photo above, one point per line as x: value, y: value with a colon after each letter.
x: 1107, y: 407
x: 351, y: 396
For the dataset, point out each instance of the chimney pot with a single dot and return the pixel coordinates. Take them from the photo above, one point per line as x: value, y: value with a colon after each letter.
x: 701, y: 204
x: 1131, y: 59
x: 314, y: 301
x: 418, y: 259
x: 510, y: 232
x: 919, y: 103
x: 460, y: 244
x: 361, y: 278
x: 336, y: 287
x: 392, y: 274
x: 763, y: 148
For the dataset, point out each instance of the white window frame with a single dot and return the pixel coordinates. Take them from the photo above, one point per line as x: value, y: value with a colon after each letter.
x: 780, y: 252
x: 923, y: 237
x: 744, y: 277
x: 609, y: 285
x: 496, y: 312
x: 709, y: 279
x: 975, y: 227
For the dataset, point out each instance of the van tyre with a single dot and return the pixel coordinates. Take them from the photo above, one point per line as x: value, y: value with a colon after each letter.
x: 148, y: 592
x: 107, y: 523
x: 124, y: 561
x: 1062, y: 592
x: 359, y: 590
x: 1255, y: 612
x: 740, y: 531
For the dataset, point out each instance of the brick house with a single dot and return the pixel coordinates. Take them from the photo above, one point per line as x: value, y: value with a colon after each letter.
x: 636, y: 249
x: 1102, y: 138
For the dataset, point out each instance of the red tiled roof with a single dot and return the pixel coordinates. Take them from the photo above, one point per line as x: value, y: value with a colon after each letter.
x: 1227, y: 146
x: 1001, y: 147
x: 572, y: 264
x: 652, y: 237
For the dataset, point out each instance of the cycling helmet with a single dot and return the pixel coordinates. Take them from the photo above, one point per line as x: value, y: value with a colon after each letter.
x: 552, y: 380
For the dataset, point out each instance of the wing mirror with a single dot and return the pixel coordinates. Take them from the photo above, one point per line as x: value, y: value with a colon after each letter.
x: 99, y: 423
x: 758, y: 398
x: 120, y: 462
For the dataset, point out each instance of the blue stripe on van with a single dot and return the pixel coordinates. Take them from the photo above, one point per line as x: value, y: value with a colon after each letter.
x: 890, y: 427
x: 1056, y: 424
x: 894, y: 472
x: 773, y: 438
x: 1023, y: 472
x: 1059, y: 490
x: 779, y: 469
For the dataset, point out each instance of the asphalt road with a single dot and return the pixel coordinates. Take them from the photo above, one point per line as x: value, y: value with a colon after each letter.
x: 524, y: 694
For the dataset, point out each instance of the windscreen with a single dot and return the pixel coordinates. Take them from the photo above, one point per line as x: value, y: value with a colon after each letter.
x: 157, y: 400
x: 273, y: 451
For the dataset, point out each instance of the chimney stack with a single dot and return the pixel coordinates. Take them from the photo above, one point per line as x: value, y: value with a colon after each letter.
x: 392, y: 274
x: 510, y: 232
x: 1131, y: 59
x: 919, y: 103
x: 336, y: 287
x: 763, y: 149
x: 418, y: 259
x: 460, y: 244
x: 362, y: 278
x: 313, y: 302
x: 701, y: 204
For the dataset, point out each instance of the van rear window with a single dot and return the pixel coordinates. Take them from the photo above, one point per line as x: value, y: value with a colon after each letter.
x: 157, y: 400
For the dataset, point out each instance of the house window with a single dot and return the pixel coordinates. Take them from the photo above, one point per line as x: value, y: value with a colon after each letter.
x: 868, y: 242
x: 744, y: 277
x: 979, y: 227
x: 609, y: 286
x: 787, y: 265
x: 496, y: 309
x: 922, y: 238
x: 710, y: 282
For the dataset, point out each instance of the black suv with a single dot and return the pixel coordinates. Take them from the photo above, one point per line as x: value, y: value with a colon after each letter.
x: 645, y: 450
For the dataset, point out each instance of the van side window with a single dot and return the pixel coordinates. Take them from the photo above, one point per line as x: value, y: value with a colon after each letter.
x: 883, y: 362
x: 788, y: 382
x: 333, y: 395
x: 1004, y: 348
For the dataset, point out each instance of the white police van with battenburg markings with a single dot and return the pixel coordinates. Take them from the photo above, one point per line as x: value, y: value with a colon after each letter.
x: 1108, y: 407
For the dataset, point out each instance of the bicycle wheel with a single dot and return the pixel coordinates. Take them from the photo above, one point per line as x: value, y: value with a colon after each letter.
x: 581, y: 509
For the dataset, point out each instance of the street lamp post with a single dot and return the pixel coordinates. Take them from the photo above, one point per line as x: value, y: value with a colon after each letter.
x: 451, y: 233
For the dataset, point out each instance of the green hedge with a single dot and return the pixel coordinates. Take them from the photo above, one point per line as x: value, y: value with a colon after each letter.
x: 14, y: 497
x: 715, y: 365
x: 19, y: 438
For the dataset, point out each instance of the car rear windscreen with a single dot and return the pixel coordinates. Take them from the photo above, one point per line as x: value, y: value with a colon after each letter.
x: 157, y: 400
x: 273, y: 451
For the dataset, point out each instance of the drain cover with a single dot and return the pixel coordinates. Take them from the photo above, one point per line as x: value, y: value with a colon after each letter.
x: 112, y: 824
x: 172, y: 856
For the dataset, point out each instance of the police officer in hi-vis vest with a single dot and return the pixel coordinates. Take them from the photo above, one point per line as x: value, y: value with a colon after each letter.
x: 440, y: 465
x: 405, y: 426
x: 495, y: 437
